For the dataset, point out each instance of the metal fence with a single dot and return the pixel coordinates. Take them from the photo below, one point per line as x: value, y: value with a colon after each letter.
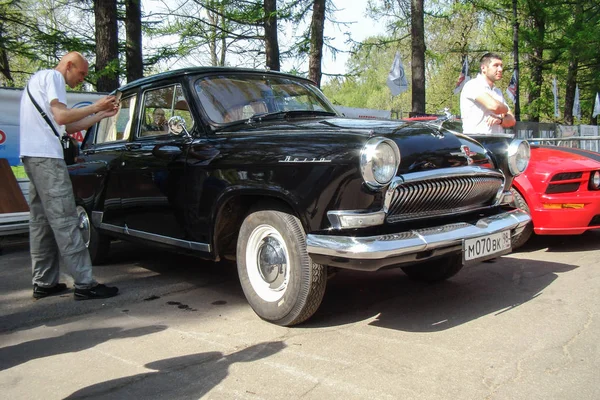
x: 579, y: 136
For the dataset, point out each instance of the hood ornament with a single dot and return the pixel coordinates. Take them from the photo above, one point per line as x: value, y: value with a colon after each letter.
x: 466, y: 153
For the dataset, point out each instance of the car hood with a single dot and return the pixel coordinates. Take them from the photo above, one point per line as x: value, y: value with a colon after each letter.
x: 422, y: 146
x: 558, y: 156
x: 546, y: 161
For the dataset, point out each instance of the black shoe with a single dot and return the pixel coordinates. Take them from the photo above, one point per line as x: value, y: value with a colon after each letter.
x: 41, y: 291
x: 97, y: 292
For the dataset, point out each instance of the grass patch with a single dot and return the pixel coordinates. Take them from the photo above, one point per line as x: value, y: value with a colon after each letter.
x: 19, y: 172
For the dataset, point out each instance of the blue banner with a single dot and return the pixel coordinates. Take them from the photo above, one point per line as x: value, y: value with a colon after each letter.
x: 9, y: 144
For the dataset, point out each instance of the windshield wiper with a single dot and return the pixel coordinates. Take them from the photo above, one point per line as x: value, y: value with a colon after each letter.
x: 260, y: 117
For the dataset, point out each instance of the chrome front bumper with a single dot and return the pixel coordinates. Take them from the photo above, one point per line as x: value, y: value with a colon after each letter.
x: 375, y: 252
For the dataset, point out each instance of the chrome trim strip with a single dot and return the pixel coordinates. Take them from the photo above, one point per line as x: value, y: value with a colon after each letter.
x: 366, y: 161
x: 125, y: 230
x: 507, y: 197
x: 449, y: 173
x: 335, y: 218
x: 403, y: 243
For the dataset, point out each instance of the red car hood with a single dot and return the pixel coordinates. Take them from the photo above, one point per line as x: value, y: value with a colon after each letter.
x: 548, y: 160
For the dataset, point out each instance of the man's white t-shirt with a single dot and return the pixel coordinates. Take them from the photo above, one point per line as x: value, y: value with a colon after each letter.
x: 36, y: 137
x: 472, y: 113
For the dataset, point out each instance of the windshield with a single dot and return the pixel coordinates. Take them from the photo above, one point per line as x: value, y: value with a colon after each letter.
x: 237, y: 97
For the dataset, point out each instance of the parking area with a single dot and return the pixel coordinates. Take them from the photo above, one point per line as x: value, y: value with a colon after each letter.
x: 523, y: 327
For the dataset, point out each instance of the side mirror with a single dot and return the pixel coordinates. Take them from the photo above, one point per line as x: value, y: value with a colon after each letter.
x: 177, y: 126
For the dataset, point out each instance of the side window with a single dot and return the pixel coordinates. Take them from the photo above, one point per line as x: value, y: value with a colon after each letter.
x: 181, y: 107
x: 117, y: 127
x: 160, y: 105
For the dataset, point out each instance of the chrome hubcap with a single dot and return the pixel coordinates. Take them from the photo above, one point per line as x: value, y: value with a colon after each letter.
x: 84, y: 225
x: 267, y: 263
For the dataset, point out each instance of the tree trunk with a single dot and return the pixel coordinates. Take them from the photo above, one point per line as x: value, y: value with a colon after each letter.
x: 317, y: 28
x: 418, y: 56
x: 133, y: 27
x: 537, y: 69
x: 570, y: 90
x: 271, y: 42
x: 212, y: 38
x: 4, y: 64
x: 107, y: 45
x: 573, y: 67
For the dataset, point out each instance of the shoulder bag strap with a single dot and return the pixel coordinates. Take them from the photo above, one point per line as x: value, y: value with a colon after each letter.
x: 44, y: 115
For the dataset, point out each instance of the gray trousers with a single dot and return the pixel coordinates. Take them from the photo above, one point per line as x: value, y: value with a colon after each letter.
x: 54, y: 226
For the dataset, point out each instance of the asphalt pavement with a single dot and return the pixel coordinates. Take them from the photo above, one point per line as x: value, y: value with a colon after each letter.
x: 523, y: 327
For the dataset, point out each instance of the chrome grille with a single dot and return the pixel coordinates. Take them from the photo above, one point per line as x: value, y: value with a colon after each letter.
x: 442, y: 196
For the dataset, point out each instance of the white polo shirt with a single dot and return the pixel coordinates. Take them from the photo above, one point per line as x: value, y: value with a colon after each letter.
x: 36, y: 137
x: 472, y: 113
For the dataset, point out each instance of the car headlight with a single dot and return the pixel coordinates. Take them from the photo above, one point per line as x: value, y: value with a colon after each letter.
x: 379, y: 161
x: 519, y: 153
x: 594, y: 180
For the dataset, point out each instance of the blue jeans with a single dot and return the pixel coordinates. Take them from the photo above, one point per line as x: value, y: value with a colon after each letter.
x: 54, y: 226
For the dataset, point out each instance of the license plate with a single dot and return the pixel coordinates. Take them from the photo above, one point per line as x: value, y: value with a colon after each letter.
x: 485, y: 246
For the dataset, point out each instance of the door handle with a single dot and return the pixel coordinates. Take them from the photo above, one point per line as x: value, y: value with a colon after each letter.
x: 133, y: 146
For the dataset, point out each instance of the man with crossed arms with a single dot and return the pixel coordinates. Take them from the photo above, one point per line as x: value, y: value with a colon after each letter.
x: 482, y: 106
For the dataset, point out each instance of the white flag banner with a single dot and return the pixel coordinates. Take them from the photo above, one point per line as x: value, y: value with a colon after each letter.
x: 396, y: 80
x: 596, y: 106
x: 576, y: 106
x: 511, y: 90
x: 463, y: 77
x: 555, y: 93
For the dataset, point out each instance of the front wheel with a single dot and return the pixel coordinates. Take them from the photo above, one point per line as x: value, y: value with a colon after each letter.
x: 280, y: 281
x: 521, y: 238
x: 98, y: 244
x: 435, y: 270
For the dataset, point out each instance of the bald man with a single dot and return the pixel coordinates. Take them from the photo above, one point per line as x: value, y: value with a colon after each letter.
x: 53, y: 223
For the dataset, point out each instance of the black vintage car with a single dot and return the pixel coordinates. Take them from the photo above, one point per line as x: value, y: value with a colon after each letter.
x: 258, y: 167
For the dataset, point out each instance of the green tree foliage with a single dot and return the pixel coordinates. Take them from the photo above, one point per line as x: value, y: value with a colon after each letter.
x: 367, y: 88
x: 453, y: 31
x: 215, y: 32
x: 554, y: 38
x: 10, y: 31
x: 36, y: 33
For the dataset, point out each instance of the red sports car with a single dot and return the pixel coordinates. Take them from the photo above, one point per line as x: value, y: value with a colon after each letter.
x: 560, y: 188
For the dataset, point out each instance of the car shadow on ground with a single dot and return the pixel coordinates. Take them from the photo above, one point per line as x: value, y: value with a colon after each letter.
x: 588, y: 241
x: 397, y: 302
x: 197, y: 271
x: 389, y: 296
x: 141, y: 273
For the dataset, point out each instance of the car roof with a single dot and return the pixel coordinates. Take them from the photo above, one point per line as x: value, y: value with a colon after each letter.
x: 201, y: 70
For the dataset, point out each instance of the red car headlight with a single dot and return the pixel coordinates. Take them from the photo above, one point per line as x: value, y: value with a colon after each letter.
x: 594, y: 181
